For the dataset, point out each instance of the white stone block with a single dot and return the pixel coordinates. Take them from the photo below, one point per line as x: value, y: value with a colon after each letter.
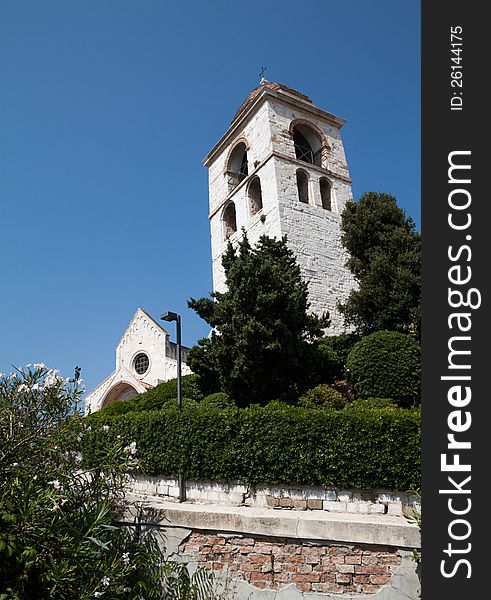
x: 394, y: 509
x: 334, y: 506
x: 162, y: 490
x: 345, y: 496
x: 173, y: 491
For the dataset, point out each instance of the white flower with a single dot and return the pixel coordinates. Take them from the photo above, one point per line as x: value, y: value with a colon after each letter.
x: 105, y: 428
x: 35, y: 387
x: 39, y: 366
x: 52, y: 378
x: 105, y: 580
x: 16, y: 464
x: 131, y: 448
x: 22, y: 388
x: 98, y: 594
x: 126, y: 558
x: 56, y: 484
x: 78, y: 457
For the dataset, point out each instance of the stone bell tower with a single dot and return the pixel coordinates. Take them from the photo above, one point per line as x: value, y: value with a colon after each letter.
x: 280, y: 169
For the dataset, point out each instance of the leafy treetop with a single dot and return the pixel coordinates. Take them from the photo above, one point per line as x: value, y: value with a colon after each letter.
x: 385, y: 259
x: 262, y: 330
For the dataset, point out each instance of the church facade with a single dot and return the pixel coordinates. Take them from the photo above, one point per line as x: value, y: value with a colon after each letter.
x: 280, y: 169
x: 145, y: 357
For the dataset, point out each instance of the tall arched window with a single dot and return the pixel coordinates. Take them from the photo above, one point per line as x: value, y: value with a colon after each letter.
x: 229, y: 220
x: 325, y: 189
x: 303, y: 186
x: 238, y: 168
x: 308, y: 145
x: 255, y: 195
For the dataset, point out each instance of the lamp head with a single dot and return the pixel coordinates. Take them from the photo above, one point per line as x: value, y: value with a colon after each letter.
x: 169, y: 316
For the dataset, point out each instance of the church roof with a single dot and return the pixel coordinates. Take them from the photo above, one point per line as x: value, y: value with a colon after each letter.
x: 140, y: 311
x: 272, y: 86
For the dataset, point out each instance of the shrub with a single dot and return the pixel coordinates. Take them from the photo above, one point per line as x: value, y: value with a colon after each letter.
x: 294, y: 446
x: 322, y: 396
x: 332, y: 352
x: 171, y: 404
x: 217, y: 400
x: 120, y: 407
x: 59, y: 536
x: 159, y: 396
x: 386, y: 364
x: 369, y: 403
x: 277, y: 405
x: 190, y: 388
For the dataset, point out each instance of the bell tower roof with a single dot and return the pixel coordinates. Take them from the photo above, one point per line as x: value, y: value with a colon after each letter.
x: 270, y: 91
x: 272, y: 86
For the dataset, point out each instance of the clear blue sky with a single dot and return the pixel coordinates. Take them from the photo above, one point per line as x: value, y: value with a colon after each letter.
x: 107, y: 108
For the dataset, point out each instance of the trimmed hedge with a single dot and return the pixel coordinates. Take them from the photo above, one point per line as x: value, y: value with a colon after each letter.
x: 369, y: 403
x: 366, y: 450
x: 386, y: 364
x: 159, y: 396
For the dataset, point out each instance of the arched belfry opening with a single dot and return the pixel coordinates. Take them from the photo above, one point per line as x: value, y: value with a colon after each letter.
x: 255, y: 195
x: 326, y: 191
x: 308, y: 144
x: 237, y: 168
x: 229, y: 220
x: 303, y: 186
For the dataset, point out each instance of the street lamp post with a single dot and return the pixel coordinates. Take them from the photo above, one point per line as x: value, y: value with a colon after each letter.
x: 172, y: 316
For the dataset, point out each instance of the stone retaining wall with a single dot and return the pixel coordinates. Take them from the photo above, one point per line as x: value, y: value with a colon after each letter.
x: 279, y: 497
x: 267, y: 554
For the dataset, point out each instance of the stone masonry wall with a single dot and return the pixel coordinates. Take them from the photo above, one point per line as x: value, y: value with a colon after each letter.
x: 313, y: 232
x: 277, y: 497
x: 271, y: 564
x: 263, y: 553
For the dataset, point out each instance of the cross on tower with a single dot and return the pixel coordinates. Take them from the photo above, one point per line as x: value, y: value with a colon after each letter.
x: 261, y: 74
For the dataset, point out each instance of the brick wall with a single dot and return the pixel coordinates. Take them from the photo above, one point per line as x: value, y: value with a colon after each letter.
x: 266, y: 564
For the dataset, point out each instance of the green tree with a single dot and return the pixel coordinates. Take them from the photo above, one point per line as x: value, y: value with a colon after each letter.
x: 59, y: 535
x: 385, y: 259
x: 262, y: 332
